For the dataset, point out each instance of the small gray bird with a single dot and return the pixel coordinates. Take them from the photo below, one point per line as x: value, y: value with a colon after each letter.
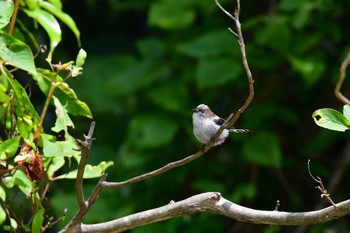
x: 206, y: 124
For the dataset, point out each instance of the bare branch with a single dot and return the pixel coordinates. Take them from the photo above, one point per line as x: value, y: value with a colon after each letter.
x: 156, y: 172
x: 225, y: 11
x: 85, y: 151
x: 230, y: 121
x: 337, y: 92
x: 213, y: 202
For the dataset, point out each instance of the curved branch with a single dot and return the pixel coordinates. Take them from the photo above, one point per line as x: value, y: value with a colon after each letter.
x: 231, y: 120
x: 337, y: 92
x: 213, y: 202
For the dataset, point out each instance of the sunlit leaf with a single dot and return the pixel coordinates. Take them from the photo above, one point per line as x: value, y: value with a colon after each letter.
x: 52, y: 148
x: 89, y: 172
x: 331, y: 119
x: 16, y: 53
x: 64, y: 93
x: 63, y: 120
x: 6, y: 11
x: 4, y: 97
x: 346, y: 111
x: 13, y: 225
x: 57, y: 3
x: 50, y: 24
x: 2, y: 215
x: 81, y: 58
x: 55, y: 163
x: 20, y: 179
x: 9, y: 147
x: 38, y: 220
x: 2, y: 194
x: 27, y: 117
x: 56, y: 10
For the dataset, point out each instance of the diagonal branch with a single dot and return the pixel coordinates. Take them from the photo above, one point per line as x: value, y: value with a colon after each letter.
x: 230, y: 121
x: 156, y: 172
x: 337, y: 92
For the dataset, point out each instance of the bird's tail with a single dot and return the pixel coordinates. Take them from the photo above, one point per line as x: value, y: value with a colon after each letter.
x: 239, y: 130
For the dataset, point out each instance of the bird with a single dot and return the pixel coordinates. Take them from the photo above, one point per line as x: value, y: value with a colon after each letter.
x: 206, y: 123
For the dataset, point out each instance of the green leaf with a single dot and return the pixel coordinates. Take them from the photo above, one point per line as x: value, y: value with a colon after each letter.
x: 170, y: 16
x: 331, y: 119
x: 263, y: 149
x: 20, y: 179
x: 6, y: 11
x: 27, y: 117
x: 214, y: 72
x: 52, y: 148
x: 89, y: 172
x: 150, y: 131
x: 132, y: 76
x: 4, y: 96
x: 2, y: 216
x: 213, y: 43
x: 9, y: 148
x: 56, y: 10
x: 275, y: 34
x: 64, y: 93
x: 243, y: 192
x: 131, y: 158
x: 81, y: 58
x: 54, y: 164
x: 171, y: 96
x: 50, y: 24
x: 346, y: 111
x: 151, y: 48
x: 38, y: 219
x: 63, y: 120
x: 203, y: 185
x: 310, y: 68
x: 57, y: 3
x: 2, y: 194
x: 16, y: 53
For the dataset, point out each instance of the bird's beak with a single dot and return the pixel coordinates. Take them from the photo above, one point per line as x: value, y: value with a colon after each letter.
x: 194, y: 110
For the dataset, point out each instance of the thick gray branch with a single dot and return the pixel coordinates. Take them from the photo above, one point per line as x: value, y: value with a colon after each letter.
x: 215, y: 203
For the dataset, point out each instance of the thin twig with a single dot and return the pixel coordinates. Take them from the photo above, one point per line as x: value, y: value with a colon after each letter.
x: 156, y: 172
x: 342, y: 74
x: 230, y: 121
x: 320, y: 187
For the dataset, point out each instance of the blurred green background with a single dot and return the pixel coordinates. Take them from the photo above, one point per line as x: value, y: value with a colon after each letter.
x: 151, y: 62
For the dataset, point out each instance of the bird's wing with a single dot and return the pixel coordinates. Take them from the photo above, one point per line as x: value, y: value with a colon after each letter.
x: 219, y: 120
